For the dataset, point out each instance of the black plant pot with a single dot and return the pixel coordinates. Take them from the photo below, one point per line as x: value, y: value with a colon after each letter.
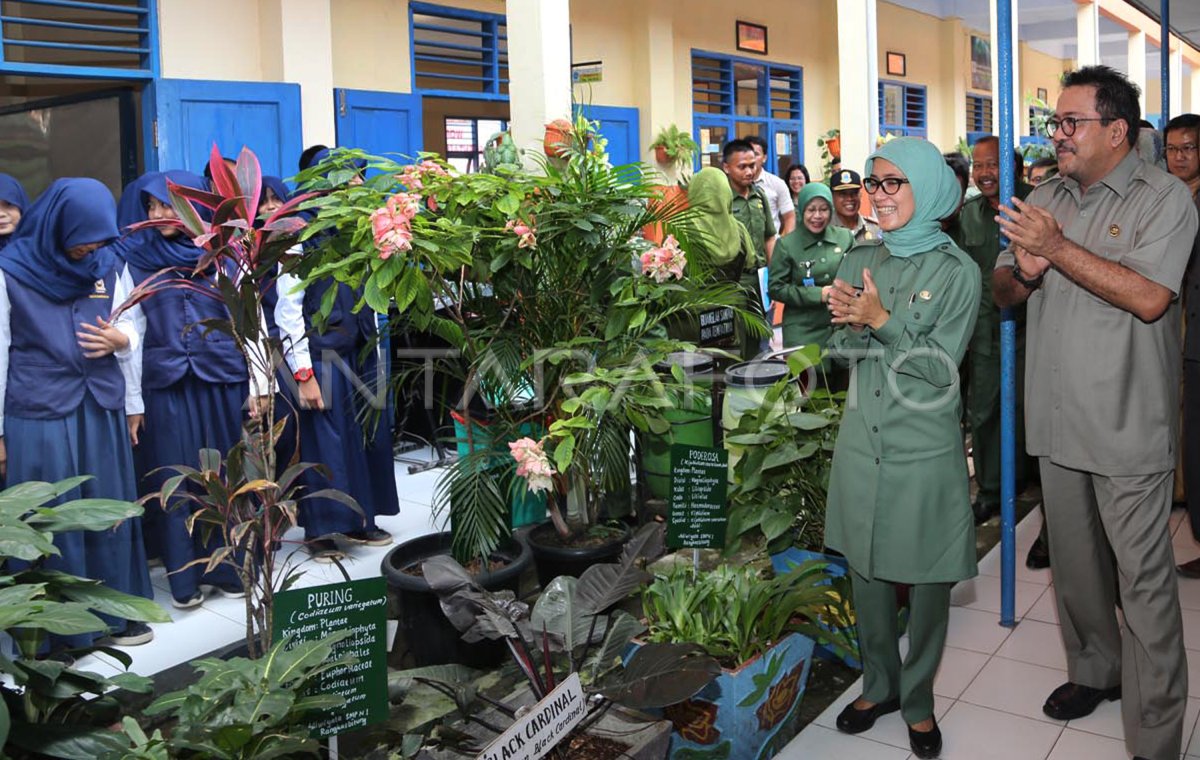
x: 553, y: 561
x: 431, y: 639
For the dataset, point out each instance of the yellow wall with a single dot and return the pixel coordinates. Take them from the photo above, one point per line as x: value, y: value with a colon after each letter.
x: 215, y: 39
x: 936, y: 57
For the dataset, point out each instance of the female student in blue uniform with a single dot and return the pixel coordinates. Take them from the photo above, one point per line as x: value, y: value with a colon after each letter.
x: 194, y: 385
x: 63, y: 371
x: 330, y: 366
x: 13, y: 203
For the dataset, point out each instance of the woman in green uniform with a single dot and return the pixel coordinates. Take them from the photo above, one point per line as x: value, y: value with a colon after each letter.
x: 899, y: 507
x: 802, y: 269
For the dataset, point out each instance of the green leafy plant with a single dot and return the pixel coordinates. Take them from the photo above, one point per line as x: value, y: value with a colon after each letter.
x: 736, y: 613
x: 1039, y: 114
x: 238, y: 497
x: 781, y: 477
x: 573, y: 627
x: 47, y: 706
x: 830, y: 144
x: 674, y: 147
x: 240, y: 708
x: 556, y: 323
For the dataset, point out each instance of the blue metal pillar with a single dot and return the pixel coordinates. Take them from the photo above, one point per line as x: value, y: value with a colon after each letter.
x: 1008, y: 329
x: 1165, y: 62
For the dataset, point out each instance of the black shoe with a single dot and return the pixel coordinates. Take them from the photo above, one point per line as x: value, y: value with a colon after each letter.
x: 1189, y: 569
x: 231, y: 590
x: 855, y: 721
x: 926, y: 744
x: 325, y: 550
x: 1072, y: 701
x: 983, y: 512
x: 1038, y: 557
x: 372, y: 537
x: 135, y: 634
x: 195, y: 600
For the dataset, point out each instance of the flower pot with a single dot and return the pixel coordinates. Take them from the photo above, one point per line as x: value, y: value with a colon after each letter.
x: 751, y: 711
x: 660, y: 155
x: 553, y: 560
x: 834, y: 144
x: 558, y: 135
x: 430, y: 637
x: 671, y: 197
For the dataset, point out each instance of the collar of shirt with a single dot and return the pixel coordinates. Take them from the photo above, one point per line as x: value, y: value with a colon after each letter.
x: 1118, y: 180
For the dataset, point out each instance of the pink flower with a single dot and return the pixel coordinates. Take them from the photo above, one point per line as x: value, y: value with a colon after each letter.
x: 533, y: 464
x: 526, y: 234
x: 413, y: 174
x: 392, y: 224
x: 665, y: 262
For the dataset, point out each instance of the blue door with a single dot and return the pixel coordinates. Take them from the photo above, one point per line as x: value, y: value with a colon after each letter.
x: 620, y: 127
x: 190, y: 115
x: 379, y: 122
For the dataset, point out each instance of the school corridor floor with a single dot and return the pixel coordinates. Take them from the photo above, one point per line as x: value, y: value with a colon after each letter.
x: 990, y: 688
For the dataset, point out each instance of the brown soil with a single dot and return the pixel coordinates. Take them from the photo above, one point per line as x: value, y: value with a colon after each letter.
x: 598, y: 535
x: 471, y: 567
x: 594, y: 748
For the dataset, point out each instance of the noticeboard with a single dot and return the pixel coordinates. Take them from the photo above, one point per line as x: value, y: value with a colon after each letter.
x: 360, y: 607
x: 698, y: 513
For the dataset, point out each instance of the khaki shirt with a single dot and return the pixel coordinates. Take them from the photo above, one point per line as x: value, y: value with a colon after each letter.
x: 1101, y: 386
x: 899, y: 503
x: 754, y: 212
x: 866, y: 230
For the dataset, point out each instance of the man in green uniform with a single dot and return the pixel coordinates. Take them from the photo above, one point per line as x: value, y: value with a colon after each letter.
x: 751, y: 208
x: 979, y: 236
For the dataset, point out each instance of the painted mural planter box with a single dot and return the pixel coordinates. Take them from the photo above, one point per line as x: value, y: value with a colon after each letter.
x: 749, y: 713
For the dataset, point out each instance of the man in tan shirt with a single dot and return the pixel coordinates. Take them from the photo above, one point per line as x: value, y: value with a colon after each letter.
x: 1099, y: 254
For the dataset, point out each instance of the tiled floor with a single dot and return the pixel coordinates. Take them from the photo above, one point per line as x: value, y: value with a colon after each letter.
x: 993, y: 680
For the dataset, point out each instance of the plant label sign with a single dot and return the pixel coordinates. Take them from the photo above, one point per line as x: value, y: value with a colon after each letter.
x: 546, y: 724
x: 716, y: 325
x: 359, y: 607
x: 699, y: 478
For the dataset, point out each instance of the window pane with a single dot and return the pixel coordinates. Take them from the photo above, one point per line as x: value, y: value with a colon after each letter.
x: 893, y: 104
x: 712, y: 139
x: 751, y: 91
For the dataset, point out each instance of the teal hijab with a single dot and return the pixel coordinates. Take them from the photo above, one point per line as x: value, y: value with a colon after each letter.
x: 935, y: 189
x: 810, y: 192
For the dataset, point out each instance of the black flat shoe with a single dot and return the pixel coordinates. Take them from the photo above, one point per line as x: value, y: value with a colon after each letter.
x: 1072, y: 701
x: 926, y: 744
x: 854, y: 721
x: 1038, y: 557
x: 983, y: 512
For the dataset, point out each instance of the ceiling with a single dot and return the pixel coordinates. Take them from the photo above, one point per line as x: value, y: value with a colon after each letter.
x: 1049, y: 26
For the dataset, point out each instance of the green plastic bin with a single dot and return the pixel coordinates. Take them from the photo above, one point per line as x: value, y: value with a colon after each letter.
x: 690, y: 416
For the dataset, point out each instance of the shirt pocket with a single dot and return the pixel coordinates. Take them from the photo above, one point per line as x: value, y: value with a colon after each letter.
x: 924, y: 311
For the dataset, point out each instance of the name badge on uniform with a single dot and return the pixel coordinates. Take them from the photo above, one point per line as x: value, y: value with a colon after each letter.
x: 100, y: 289
x: 925, y: 295
x: 809, y: 282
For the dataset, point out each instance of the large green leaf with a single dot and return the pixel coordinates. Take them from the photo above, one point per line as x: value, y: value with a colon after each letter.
x: 19, y: 541
x: 99, y: 598
x: 558, y: 613
x: 602, y: 586
x: 658, y: 675
x: 85, y: 514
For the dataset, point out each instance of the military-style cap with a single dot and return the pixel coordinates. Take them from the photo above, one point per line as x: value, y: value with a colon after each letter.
x: 845, y: 179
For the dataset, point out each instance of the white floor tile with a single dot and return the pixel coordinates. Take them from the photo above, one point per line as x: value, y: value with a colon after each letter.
x: 970, y: 732
x: 983, y: 593
x: 1189, y: 593
x: 1191, y: 733
x: 958, y: 669
x: 1105, y: 721
x: 821, y: 743
x: 1191, y: 629
x: 1026, y: 533
x: 1045, y: 609
x: 1037, y: 644
x: 1014, y: 687
x: 975, y: 630
x: 1177, y: 519
x: 1193, y: 658
x: 1190, y: 720
x: 1077, y: 745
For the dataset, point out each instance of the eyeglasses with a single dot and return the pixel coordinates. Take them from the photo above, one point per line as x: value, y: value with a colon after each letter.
x: 890, y: 185
x: 1068, y: 124
x: 1181, y: 150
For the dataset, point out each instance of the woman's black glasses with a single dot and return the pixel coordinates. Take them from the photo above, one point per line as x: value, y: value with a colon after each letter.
x: 890, y: 185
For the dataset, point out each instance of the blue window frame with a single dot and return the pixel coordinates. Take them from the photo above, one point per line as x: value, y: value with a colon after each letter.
x: 458, y: 53
x: 737, y: 97
x: 979, y: 117
x: 902, y: 109
x: 115, y: 39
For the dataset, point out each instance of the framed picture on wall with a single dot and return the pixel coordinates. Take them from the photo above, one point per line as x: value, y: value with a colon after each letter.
x: 981, y: 63
x: 751, y: 38
x: 1042, y: 95
x: 897, y: 64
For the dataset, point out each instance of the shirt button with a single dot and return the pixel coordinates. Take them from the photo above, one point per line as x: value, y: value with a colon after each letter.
x: 876, y: 460
x: 874, y: 428
x: 891, y: 290
x: 878, y: 393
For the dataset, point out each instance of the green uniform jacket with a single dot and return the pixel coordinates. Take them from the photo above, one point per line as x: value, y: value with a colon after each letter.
x: 804, y: 263
x: 979, y: 236
x: 899, y: 504
x: 755, y: 212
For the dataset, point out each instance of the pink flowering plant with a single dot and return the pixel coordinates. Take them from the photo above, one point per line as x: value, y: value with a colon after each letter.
x: 557, y: 308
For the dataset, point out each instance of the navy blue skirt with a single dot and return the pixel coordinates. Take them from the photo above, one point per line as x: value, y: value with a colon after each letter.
x: 181, y: 419
x: 334, y: 437
x: 89, y: 441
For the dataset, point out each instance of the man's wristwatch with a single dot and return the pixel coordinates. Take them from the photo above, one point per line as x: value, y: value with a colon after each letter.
x: 1030, y: 284
x: 303, y: 375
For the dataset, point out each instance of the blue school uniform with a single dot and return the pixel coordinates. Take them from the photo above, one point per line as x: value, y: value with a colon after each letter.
x: 13, y: 193
x: 194, y: 386
x: 64, y: 414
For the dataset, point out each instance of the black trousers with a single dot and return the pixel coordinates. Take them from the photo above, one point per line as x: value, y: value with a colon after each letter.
x: 1191, y: 441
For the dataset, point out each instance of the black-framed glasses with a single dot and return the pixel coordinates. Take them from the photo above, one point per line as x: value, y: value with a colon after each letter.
x: 1068, y: 124
x: 1181, y: 150
x: 890, y: 185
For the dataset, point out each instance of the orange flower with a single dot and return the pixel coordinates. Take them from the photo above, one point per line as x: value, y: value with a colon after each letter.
x: 694, y: 720
x: 780, y: 699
